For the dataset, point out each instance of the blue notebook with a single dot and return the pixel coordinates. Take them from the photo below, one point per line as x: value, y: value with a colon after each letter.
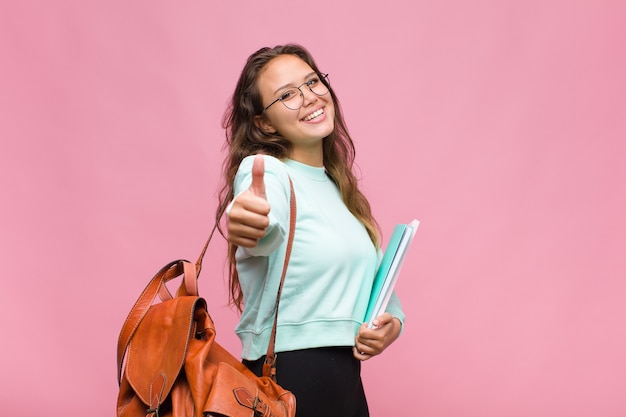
x: 389, y: 269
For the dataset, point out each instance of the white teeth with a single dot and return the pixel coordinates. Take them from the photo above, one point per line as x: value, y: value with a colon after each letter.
x: 313, y: 115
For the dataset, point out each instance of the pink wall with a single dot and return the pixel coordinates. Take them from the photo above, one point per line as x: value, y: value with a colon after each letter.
x: 500, y: 125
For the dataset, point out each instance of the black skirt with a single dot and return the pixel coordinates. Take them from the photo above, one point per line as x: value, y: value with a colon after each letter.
x: 326, y: 381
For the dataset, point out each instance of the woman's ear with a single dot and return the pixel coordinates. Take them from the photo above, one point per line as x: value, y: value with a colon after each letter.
x: 264, y: 124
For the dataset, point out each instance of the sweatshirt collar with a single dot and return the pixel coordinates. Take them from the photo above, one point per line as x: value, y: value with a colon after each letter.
x: 311, y: 172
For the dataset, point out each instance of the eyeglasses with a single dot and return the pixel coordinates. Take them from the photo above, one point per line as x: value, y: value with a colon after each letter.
x: 293, y: 98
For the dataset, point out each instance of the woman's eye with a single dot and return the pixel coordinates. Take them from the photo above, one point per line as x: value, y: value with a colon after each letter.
x: 287, y: 95
x: 312, y: 82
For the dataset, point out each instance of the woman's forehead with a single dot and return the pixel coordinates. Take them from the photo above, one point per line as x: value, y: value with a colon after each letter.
x: 285, y: 69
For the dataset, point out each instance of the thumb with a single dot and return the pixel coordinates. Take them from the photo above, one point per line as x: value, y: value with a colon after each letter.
x: 258, y: 170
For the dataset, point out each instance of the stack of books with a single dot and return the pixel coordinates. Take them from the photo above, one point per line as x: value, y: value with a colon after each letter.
x: 389, y: 269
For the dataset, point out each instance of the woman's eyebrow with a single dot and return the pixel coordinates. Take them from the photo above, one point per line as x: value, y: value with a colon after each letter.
x: 282, y: 87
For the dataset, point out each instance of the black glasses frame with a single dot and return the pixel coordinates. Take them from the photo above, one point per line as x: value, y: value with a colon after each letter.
x: 323, y: 79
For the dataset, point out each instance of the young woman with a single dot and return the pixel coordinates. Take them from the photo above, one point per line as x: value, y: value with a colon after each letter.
x: 284, y: 111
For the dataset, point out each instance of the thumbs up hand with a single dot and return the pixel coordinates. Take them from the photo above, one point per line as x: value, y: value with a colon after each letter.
x: 248, y: 218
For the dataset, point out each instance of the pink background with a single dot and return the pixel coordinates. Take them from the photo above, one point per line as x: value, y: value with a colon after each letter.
x: 500, y: 125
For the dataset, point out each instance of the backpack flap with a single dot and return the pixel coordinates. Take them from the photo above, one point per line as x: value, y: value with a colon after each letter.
x: 157, y: 350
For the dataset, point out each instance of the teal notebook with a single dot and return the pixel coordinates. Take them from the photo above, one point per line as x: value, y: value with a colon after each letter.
x: 389, y: 269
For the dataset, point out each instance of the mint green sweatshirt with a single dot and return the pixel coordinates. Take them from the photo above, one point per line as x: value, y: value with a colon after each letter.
x: 330, y: 273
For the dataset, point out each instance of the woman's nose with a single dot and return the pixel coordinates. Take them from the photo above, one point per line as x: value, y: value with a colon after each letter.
x: 308, y: 96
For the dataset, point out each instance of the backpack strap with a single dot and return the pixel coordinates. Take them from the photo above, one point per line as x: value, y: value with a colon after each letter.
x: 269, y: 367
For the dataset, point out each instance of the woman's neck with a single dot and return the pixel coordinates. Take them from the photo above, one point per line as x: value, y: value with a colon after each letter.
x: 309, y: 156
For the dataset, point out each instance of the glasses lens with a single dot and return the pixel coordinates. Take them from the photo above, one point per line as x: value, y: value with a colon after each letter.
x: 292, y: 99
x: 318, y: 87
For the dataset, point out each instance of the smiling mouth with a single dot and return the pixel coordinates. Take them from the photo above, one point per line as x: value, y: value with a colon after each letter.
x: 314, y: 115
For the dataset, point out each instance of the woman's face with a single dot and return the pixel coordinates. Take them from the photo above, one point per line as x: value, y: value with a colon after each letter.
x: 305, y: 127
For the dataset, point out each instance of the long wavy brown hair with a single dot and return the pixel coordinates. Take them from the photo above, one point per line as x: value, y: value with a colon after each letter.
x: 244, y: 138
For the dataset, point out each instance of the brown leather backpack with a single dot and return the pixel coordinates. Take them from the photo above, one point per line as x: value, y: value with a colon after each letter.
x: 169, y: 364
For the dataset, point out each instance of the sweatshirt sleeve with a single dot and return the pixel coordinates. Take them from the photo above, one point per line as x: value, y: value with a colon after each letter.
x: 278, y: 194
